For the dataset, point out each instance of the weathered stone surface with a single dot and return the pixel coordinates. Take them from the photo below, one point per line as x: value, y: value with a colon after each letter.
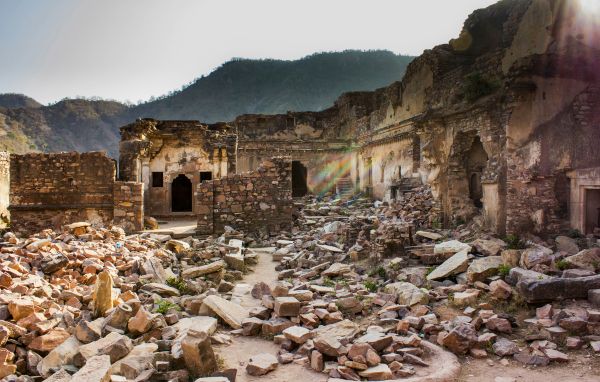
x: 489, y: 247
x: 233, y: 314
x: 588, y: 259
x: 499, y: 289
x: 287, y: 306
x: 103, y: 297
x: 87, y: 332
x: 458, y: 263
x: 566, y: 244
x: 481, y: 269
x: 20, y: 308
x: 198, y: 353
x: 503, y: 347
x: 336, y: 269
x: 95, y: 370
x: 329, y: 345
x: 511, y: 257
x: 537, y: 291
x: 193, y: 272
x: 407, y: 293
x: 160, y: 289
x: 380, y: 372
x: 451, y: 246
x: 50, y: 340
x: 535, y: 256
x: 460, y: 339
x: 60, y: 376
x: 298, y: 334
x: 261, y: 364
x: 141, y: 322
x: 61, y: 355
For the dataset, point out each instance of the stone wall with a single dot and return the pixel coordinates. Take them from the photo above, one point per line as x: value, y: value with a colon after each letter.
x: 255, y: 201
x: 4, y: 187
x: 128, y: 200
x: 52, y: 190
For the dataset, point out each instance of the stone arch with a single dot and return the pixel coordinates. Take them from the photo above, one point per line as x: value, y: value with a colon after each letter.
x: 476, y: 161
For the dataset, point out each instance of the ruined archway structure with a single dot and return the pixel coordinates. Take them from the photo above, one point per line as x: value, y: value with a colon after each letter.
x: 522, y: 78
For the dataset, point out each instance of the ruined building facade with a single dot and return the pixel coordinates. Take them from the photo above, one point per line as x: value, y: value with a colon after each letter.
x: 504, y: 121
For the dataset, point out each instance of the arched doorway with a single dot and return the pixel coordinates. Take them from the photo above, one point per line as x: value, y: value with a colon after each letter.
x: 299, y: 174
x: 476, y: 161
x: 181, y: 194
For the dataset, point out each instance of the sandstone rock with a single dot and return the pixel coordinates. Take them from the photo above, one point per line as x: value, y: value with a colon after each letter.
x: 407, y: 293
x: 467, y: 297
x: 233, y: 314
x: 460, y: 339
x: 140, y: 323
x: 119, y: 316
x: 287, y: 306
x: 95, y: 370
x: 377, y: 340
x: 61, y: 355
x: 193, y: 272
x: 535, y: 256
x: 235, y: 261
x: 336, y: 269
x: 429, y: 235
x: 489, y: 247
x: 49, y: 341
x: 500, y: 290
x: 588, y: 259
x: 114, y: 344
x: 87, y: 332
x: 511, y: 257
x: 252, y: 326
x: 544, y: 290
x: 198, y: 353
x: 380, y: 372
x: 260, y: 289
x: 329, y: 345
x: 20, y: 308
x: 456, y: 264
x: 297, y: 334
x: 103, y: 296
x: 160, y: 289
x: 261, y: 364
x: 497, y: 324
x: 60, y: 376
x: 177, y: 246
x: 316, y: 361
x: 566, y: 244
x: 451, y: 246
x: 503, y: 347
x: 481, y: 269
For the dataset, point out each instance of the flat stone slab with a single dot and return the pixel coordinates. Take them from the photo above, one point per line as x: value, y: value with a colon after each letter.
x: 451, y: 246
x: 233, y: 314
x: 458, y: 263
x: 194, y: 272
x: 536, y: 291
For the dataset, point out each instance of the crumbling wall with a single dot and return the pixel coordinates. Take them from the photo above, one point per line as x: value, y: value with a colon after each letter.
x: 128, y: 210
x: 260, y: 200
x: 52, y: 190
x: 4, y: 188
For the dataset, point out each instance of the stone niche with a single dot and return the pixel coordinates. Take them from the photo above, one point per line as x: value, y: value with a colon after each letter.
x: 584, y: 203
x: 52, y: 190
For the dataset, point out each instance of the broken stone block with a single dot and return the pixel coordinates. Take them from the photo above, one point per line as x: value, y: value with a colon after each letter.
x: 456, y: 264
x: 489, y: 247
x: 297, y: 334
x: 460, y: 339
x: 588, y: 259
x: 407, y: 293
x: 380, y: 372
x: 49, y: 341
x: 160, y: 289
x: 467, y: 297
x: 330, y: 346
x: 503, y: 347
x: 511, y: 257
x: 251, y: 326
x: 316, y: 361
x: 337, y: 269
x: 566, y: 244
x: 261, y: 364
x: 60, y: 376
x: 275, y: 326
x: 497, y: 324
x: 594, y: 297
x: 87, y: 331
x: 198, y: 354
x: 103, y: 297
x: 114, y: 344
x: 260, y: 289
x: 233, y: 314
x: 20, y: 308
x: 538, y: 255
x: 544, y: 290
x: 194, y: 272
x: 119, y: 316
x: 287, y: 306
x: 141, y: 322
x: 61, y: 355
x: 500, y: 290
x: 95, y: 370
x: 481, y: 269
x: 376, y: 340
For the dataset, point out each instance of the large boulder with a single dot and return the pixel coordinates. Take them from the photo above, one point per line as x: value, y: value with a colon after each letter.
x: 481, y: 269
x: 233, y: 314
x: 566, y: 244
x: 489, y: 247
x: 536, y: 256
x: 407, y: 293
x: 588, y: 259
x: 451, y: 246
x: 550, y: 289
x: 460, y: 339
x: 458, y: 263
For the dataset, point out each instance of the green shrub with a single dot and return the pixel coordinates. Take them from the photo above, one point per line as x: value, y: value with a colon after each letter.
x: 562, y: 264
x: 504, y: 270
x: 178, y: 284
x: 514, y: 242
x: 371, y: 285
x: 165, y: 305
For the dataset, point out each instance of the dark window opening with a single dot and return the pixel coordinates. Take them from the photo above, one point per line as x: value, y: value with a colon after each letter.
x: 157, y: 179
x: 476, y: 161
x: 181, y: 194
x: 299, y: 175
x: 205, y: 175
x: 416, y: 154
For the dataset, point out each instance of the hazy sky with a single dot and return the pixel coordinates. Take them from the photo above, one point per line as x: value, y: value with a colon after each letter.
x: 134, y: 49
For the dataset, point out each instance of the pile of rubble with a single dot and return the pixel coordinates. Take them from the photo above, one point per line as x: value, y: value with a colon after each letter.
x: 359, y: 292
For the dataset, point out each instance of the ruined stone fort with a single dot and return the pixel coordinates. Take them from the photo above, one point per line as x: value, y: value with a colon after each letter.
x: 502, y: 122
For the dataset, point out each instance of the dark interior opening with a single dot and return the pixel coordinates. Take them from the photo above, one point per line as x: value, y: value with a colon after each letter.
x: 476, y: 161
x: 157, y: 179
x: 592, y: 210
x: 181, y: 194
x: 299, y: 175
x: 205, y: 175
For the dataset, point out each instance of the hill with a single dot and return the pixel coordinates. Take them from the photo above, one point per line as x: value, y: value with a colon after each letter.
x: 237, y: 87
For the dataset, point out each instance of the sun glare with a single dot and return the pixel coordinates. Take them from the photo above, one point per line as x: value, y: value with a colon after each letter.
x: 591, y: 6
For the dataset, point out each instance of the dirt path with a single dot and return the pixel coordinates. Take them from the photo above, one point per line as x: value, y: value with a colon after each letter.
x: 242, y: 348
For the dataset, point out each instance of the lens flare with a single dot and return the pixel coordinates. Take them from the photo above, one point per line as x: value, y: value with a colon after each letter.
x: 592, y: 6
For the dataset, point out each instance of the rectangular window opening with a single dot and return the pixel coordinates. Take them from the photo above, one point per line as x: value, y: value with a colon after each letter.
x: 157, y: 179
x: 205, y: 175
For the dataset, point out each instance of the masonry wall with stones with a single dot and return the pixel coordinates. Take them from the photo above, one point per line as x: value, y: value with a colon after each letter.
x: 4, y: 187
x: 53, y: 190
x: 128, y: 210
x: 255, y: 201
x: 171, y: 158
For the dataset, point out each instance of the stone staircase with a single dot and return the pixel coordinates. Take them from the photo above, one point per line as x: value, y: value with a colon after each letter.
x: 344, y: 187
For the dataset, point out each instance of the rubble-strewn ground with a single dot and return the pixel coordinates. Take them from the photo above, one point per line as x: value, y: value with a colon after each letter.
x: 359, y: 290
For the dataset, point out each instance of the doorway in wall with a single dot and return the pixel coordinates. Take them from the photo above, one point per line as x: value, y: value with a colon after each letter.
x: 476, y: 161
x: 181, y: 194
x: 592, y: 210
x: 299, y: 176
